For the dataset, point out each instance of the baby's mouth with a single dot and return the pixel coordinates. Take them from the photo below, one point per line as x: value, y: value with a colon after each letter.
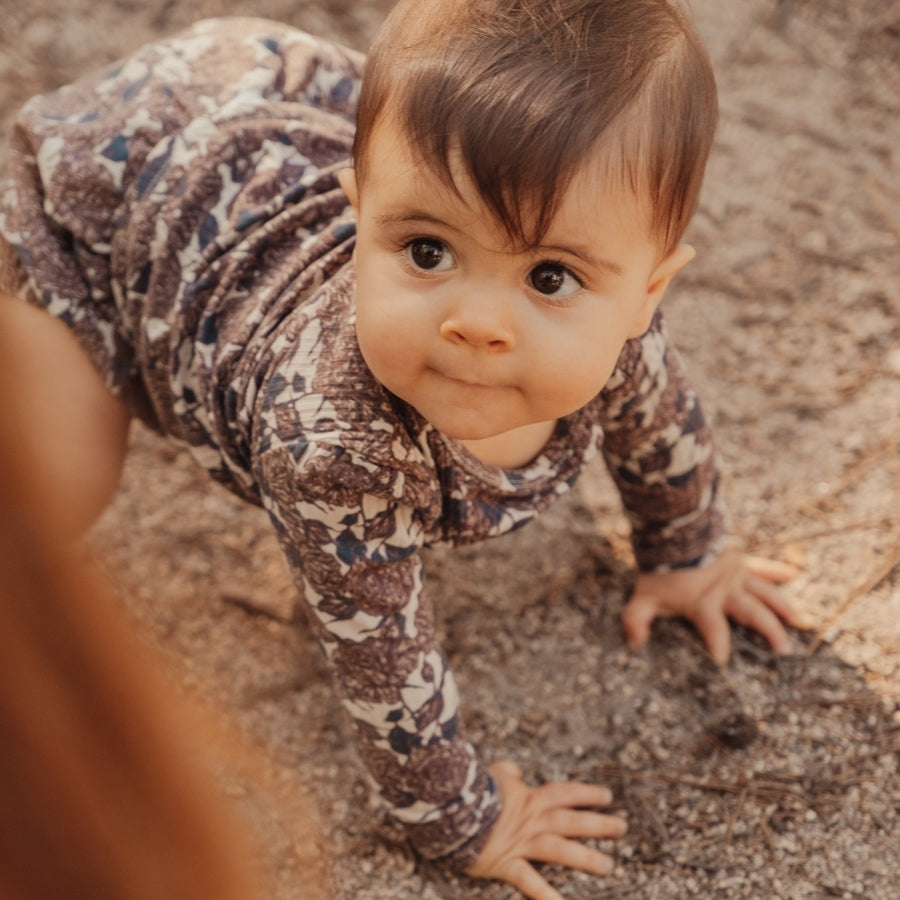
x: 466, y: 379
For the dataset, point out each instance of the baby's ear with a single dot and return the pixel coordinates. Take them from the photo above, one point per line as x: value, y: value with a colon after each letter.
x: 666, y: 269
x: 347, y: 178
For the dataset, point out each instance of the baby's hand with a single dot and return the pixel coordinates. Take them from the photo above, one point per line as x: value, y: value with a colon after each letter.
x: 733, y: 586
x: 537, y: 824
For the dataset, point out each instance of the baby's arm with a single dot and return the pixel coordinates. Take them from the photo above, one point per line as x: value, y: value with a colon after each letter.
x: 658, y: 447
x: 354, y: 554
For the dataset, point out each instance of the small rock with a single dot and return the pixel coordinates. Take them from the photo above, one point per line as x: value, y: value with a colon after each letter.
x: 736, y: 730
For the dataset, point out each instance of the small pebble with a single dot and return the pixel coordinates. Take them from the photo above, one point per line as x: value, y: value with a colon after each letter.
x: 737, y: 730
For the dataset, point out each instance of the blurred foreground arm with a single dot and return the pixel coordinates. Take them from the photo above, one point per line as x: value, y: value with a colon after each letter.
x: 71, y: 431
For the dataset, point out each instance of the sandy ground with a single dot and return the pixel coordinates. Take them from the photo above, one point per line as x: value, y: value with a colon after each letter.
x: 775, y: 779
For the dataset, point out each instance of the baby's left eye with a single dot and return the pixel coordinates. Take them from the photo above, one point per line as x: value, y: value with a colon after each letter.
x: 554, y: 280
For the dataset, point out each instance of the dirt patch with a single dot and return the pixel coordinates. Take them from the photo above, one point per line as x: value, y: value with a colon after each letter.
x: 778, y: 778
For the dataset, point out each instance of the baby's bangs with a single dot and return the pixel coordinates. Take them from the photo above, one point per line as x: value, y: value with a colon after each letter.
x: 521, y: 130
x: 523, y: 123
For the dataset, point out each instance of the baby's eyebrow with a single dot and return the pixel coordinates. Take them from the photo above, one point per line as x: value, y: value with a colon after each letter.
x: 410, y: 216
x: 586, y: 256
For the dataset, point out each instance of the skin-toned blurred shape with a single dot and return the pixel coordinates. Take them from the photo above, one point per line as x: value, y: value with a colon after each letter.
x: 102, y: 793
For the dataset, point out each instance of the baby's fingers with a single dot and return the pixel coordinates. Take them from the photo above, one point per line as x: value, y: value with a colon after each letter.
x: 572, y: 795
x: 756, y: 613
x: 576, y: 823
x: 771, y: 569
x: 525, y: 878
x: 712, y: 623
x: 539, y: 823
x: 637, y: 618
x: 558, y: 851
x: 777, y: 602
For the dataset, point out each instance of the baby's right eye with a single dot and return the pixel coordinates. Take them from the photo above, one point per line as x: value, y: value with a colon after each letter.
x: 429, y: 255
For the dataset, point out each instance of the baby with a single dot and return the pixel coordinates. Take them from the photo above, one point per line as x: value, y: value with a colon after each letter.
x: 396, y: 318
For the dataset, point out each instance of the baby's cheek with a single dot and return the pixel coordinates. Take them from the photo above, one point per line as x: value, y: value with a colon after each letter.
x: 583, y: 371
x: 387, y: 357
x: 367, y: 337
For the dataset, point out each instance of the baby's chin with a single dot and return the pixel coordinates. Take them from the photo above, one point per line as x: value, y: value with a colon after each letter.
x: 465, y: 434
x: 468, y: 425
x: 459, y: 425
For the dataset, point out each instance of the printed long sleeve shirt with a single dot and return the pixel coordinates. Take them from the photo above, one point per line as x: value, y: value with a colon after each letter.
x: 181, y: 213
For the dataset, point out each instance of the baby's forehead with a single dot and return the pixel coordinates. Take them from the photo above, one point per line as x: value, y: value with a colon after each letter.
x: 417, y: 186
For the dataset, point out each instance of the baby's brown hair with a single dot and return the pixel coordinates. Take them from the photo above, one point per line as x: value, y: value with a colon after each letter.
x: 525, y: 90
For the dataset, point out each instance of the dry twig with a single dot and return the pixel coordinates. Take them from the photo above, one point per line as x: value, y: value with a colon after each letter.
x: 873, y: 581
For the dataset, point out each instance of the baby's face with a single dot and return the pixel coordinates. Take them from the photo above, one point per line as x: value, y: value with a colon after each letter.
x: 481, y: 337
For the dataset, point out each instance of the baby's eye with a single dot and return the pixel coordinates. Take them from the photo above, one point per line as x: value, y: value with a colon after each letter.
x: 429, y: 255
x: 554, y: 280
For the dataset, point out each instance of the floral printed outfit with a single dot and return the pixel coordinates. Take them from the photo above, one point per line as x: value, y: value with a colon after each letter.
x: 182, y: 214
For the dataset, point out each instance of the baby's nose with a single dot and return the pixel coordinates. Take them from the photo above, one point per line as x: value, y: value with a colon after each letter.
x: 483, y: 323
